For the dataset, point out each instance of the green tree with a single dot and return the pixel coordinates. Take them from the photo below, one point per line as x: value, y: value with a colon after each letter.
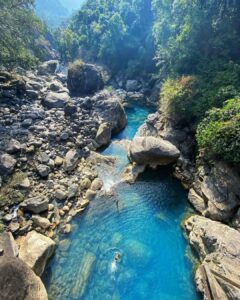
x: 19, y: 28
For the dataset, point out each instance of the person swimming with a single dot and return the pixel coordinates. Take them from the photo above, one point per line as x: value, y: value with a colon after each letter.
x: 116, y: 259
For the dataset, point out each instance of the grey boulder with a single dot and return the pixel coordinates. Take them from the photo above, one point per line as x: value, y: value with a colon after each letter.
x: 103, y: 136
x: 35, y: 251
x: 109, y: 108
x: 13, y: 146
x: 84, y: 79
x: 56, y: 100
x: 48, y: 67
x: 36, y: 204
x: 71, y: 160
x: 7, y: 164
x: 151, y: 150
x: 132, y: 85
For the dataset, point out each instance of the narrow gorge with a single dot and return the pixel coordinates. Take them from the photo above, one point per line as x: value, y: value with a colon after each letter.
x: 119, y: 150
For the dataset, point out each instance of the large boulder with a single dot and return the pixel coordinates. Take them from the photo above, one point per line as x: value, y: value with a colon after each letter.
x: 35, y: 205
x: 13, y: 146
x: 35, y: 251
x: 18, y: 281
x: 132, y: 85
x: 84, y: 79
x: 56, y: 100
x: 109, y: 108
x: 7, y: 164
x: 71, y: 160
x: 218, y: 247
x: 216, y: 191
x: 48, y: 67
x: 151, y: 150
x: 103, y: 136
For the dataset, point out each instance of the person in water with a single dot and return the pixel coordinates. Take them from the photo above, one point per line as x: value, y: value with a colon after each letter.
x: 116, y: 259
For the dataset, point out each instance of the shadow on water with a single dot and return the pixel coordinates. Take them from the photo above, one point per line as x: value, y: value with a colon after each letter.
x: 126, y: 246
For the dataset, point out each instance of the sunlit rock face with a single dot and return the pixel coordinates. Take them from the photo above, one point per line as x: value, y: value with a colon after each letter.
x: 218, y: 247
x: 151, y: 150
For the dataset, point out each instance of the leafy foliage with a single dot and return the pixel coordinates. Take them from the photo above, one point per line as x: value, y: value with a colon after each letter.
x: 190, y: 34
x: 200, y: 39
x: 177, y: 99
x: 117, y: 33
x: 219, y: 132
x: 19, y: 30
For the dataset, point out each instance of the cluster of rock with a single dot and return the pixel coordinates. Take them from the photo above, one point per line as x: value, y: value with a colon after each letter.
x: 218, y: 247
x: 20, y: 269
x: 44, y: 143
x: 214, y: 193
x: 142, y: 90
x: 47, y: 175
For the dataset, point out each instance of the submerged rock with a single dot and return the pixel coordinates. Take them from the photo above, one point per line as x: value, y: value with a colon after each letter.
x: 218, y: 247
x: 131, y: 172
x: 83, y: 275
x: 137, y: 252
x: 151, y: 150
x: 35, y: 250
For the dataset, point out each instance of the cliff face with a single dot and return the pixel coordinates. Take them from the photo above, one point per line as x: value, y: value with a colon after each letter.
x: 214, y: 192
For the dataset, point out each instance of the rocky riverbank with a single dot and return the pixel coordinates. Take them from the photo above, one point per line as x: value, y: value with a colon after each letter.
x: 48, y: 161
x: 214, y: 193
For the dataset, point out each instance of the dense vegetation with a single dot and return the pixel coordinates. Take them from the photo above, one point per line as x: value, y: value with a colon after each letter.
x: 197, y: 49
x: 116, y: 33
x: 219, y: 132
x: 22, y: 39
x: 193, y: 46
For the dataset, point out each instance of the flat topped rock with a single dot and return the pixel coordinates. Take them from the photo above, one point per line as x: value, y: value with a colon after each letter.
x: 151, y: 150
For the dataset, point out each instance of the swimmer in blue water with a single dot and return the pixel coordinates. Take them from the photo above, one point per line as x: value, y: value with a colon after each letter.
x: 116, y: 259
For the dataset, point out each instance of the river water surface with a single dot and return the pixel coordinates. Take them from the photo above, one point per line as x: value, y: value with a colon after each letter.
x: 141, y: 224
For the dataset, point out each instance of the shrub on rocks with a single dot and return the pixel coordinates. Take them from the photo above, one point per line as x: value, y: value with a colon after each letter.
x: 219, y: 132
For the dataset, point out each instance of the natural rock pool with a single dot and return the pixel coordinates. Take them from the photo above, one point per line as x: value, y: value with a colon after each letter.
x: 141, y: 222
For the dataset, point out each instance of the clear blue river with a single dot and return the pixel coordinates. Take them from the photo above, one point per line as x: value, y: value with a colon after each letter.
x: 139, y: 225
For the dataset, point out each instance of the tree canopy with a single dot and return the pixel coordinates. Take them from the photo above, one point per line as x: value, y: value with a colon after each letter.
x: 116, y: 33
x: 19, y: 31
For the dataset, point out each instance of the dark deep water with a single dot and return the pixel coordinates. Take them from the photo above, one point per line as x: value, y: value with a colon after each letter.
x: 144, y: 229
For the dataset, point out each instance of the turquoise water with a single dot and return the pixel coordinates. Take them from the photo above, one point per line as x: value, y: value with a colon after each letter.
x: 141, y: 223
